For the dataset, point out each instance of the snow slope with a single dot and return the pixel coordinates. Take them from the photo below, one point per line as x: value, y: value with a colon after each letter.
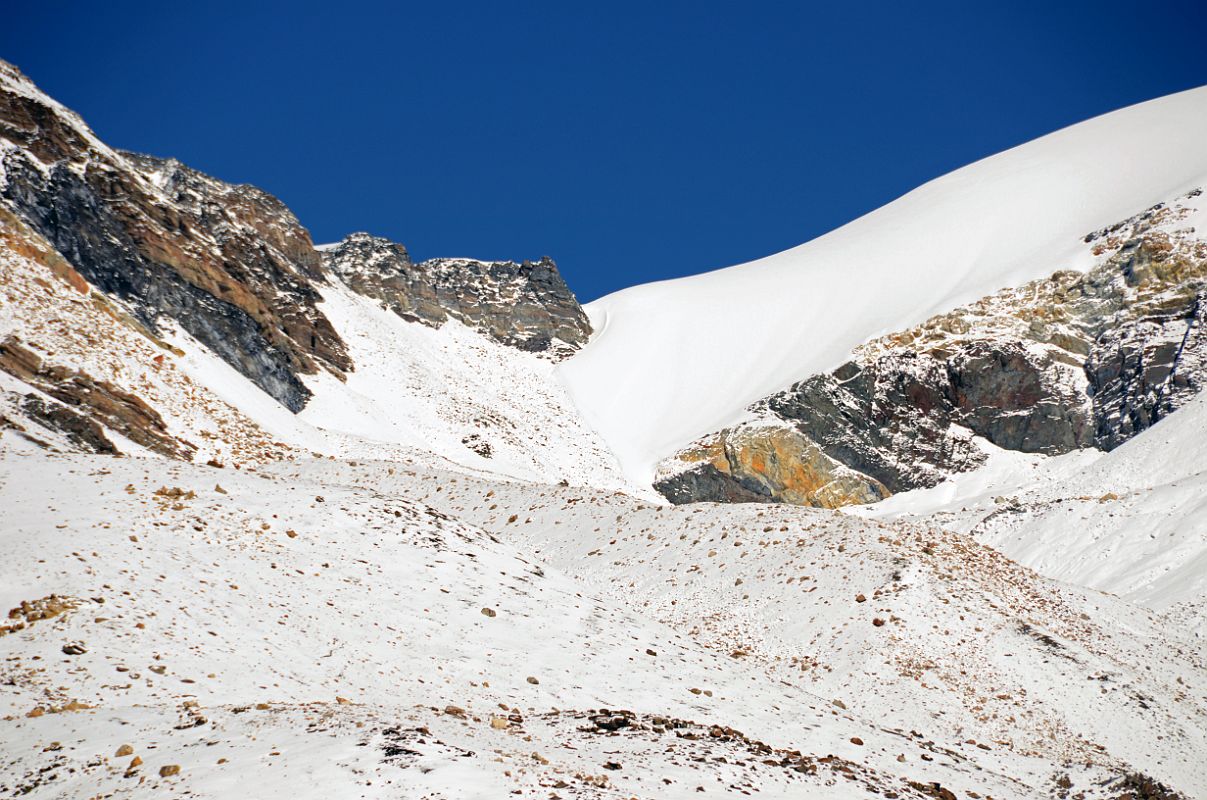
x: 245, y: 626
x: 1132, y: 522
x: 449, y: 395
x: 674, y: 360
x: 453, y: 392
x: 971, y: 643
x: 316, y: 628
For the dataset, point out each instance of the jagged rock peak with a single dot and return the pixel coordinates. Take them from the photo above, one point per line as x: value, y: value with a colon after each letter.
x: 524, y: 305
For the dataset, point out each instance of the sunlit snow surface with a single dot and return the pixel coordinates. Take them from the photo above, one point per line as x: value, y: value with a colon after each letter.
x: 256, y: 600
x: 363, y: 601
x: 672, y: 361
x: 1132, y: 522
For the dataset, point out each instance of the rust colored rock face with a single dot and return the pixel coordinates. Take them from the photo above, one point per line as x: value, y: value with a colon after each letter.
x: 767, y: 464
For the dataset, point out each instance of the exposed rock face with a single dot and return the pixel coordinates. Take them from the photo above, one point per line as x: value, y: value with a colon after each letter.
x: 1072, y: 361
x: 1155, y: 359
x: 81, y: 431
x: 903, y: 418
x: 85, y: 404
x: 526, y: 305
x: 228, y: 263
x: 157, y: 249
x: 756, y: 464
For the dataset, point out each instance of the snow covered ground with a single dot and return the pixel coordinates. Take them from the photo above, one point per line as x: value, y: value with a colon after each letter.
x: 1132, y: 522
x: 456, y: 393
x: 322, y: 625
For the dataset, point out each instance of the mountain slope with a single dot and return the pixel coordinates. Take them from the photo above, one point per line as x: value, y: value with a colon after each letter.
x: 146, y: 301
x: 1072, y: 361
x: 672, y: 361
x: 229, y: 264
x: 1128, y: 522
x: 319, y: 626
x: 287, y: 521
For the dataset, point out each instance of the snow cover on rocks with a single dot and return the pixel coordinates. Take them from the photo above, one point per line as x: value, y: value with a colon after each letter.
x: 455, y: 393
x: 406, y: 590
x: 450, y: 395
x: 674, y: 360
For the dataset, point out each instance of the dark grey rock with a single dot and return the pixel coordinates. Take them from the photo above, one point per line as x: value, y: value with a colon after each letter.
x: 526, y: 305
x: 79, y: 429
x: 1144, y: 370
x: 704, y: 482
x: 93, y: 237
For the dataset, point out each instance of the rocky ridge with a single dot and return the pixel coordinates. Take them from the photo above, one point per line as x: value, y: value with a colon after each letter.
x: 168, y: 250
x: 87, y: 406
x: 228, y: 264
x: 1072, y: 361
x: 526, y: 305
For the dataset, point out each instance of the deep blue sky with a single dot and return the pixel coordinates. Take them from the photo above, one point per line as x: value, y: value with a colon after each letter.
x: 631, y: 142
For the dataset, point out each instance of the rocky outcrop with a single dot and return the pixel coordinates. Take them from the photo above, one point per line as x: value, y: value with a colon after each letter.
x: 905, y: 418
x: 1155, y: 358
x: 762, y: 464
x: 228, y: 264
x: 81, y: 406
x: 1072, y: 361
x: 525, y: 305
x: 231, y: 266
x: 83, y: 432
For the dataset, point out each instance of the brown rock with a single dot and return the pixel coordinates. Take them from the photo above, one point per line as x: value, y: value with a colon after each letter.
x: 85, y: 404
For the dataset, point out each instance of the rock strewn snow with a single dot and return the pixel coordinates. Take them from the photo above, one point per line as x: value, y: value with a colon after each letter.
x: 318, y: 626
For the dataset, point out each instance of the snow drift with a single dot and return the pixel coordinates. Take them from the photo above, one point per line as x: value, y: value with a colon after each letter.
x: 673, y: 360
